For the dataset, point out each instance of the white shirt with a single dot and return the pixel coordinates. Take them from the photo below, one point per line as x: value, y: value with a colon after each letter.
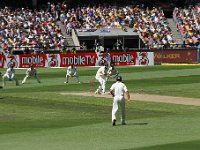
x: 71, y: 71
x: 30, y: 72
x: 10, y: 72
x: 119, y: 88
x: 101, y: 73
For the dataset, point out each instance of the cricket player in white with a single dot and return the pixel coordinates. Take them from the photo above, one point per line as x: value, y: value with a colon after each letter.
x: 101, y: 76
x: 72, y: 72
x: 112, y: 72
x: 118, y: 90
x: 31, y: 72
x: 10, y: 75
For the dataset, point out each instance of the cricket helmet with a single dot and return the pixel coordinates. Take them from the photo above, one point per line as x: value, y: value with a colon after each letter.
x: 118, y: 78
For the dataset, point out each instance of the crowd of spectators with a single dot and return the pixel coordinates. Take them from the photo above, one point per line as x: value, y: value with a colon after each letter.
x: 188, y: 22
x: 151, y: 23
x: 152, y: 27
x: 26, y: 29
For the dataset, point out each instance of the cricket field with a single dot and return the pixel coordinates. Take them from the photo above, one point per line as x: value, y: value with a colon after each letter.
x: 38, y: 116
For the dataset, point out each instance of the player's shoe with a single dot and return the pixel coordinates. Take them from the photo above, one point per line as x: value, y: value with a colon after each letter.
x: 79, y: 82
x: 97, y: 91
x: 123, y: 123
x: 114, y: 122
x: 65, y: 82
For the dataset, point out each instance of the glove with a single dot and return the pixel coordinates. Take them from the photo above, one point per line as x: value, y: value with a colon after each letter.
x: 112, y: 93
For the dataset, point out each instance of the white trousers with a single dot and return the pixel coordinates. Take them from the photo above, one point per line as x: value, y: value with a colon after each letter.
x: 102, y: 86
x: 9, y: 78
x: 69, y: 75
x: 118, y: 101
x: 27, y: 76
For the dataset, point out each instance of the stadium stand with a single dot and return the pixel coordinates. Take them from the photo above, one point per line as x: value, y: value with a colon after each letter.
x: 22, y: 29
x: 60, y: 26
x: 150, y: 24
x: 188, y: 23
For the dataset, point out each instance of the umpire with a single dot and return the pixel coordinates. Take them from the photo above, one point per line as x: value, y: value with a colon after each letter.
x: 118, y: 89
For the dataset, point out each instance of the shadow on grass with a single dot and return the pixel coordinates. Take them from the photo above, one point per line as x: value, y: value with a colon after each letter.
x: 188, y: 145
x: 134, y: 124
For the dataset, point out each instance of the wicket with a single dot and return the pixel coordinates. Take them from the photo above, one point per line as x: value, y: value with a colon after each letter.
x: 92, y: 86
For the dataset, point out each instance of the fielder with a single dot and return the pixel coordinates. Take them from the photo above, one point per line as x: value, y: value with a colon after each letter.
x: 112, y: 72
x: 72, y: 72
x: 118, y: 90
x: 101, y: 76
x: 31, y: 72
x: 10, y: 75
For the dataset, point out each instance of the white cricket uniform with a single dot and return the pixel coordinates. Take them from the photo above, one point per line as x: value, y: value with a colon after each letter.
x: 72, y: 72
x: 119, y: 90
x: 10, y: 75
x: 101, y: 76
x: 31, y: 73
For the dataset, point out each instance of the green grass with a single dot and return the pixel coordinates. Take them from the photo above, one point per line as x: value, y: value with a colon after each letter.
x: 190, y: 145
x: 36, y: 116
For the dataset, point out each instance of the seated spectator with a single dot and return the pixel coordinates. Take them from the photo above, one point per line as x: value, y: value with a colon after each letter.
x: 24, y: 28
x: 188, y: 22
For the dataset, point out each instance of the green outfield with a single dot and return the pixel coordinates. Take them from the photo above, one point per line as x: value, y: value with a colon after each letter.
x: 36, y: 116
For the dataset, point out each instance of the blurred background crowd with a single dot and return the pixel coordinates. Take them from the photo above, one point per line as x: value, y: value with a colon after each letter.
x: 40, y: 25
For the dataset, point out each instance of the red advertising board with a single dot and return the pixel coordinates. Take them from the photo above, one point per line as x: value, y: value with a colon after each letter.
x: 175, y: 56
x: 2, y: 60
x: 122, y: 58
x: 93, y: 59
x: 39, y: 60
x: 79, y: 59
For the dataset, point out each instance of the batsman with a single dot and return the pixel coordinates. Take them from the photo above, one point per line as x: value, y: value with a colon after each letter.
x: 101, y: 76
